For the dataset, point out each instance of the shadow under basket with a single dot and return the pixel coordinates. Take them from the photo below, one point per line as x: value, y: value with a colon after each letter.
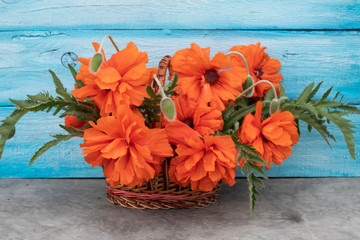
x: 161, y: 193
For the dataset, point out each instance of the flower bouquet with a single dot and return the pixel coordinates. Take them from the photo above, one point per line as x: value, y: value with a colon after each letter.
x: 171, y: 146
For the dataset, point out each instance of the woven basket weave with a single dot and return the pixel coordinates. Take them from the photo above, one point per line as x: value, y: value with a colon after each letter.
x: 161, y: 192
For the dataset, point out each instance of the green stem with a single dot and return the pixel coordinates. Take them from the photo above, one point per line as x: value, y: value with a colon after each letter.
x: 252, y: 86
x: 103, y: 41
x: 243, y: 58
x: 162, y: 92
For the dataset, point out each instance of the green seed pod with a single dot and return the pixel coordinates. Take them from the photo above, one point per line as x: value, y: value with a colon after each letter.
x: 248, y: 83
x: 274, y: 106
x: 96, y: 62
x: 236, y: 126
x: 167, y: 107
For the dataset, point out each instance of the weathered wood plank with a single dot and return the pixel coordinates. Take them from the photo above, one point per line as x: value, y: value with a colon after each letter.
x: 317, y: 56
x: 211, y: 14
x: 298, y: 208
x: 311, y: 156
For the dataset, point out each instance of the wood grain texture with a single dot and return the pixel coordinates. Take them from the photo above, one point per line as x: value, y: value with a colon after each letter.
x: 25, y: 57
x: 38, y: 35
x: 311, y: 156
x: 186, y: 14
x: 296, y: 209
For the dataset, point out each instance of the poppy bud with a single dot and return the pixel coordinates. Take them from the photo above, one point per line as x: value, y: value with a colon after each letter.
x: 71, y: 122
x: 248, y: 83
x: 274, y: 106
x: 96, y: 62
x: 236, y: 126
x: 167, y: 107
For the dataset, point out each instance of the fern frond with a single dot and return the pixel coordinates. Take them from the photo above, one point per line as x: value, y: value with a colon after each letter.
x: 150, y: 107
x: 251, y: 156
x: 71, y: 131
x: 169, y: 88
x: 150, y: 91
x: 58, y: 138
x: 8, y: 125
x: 315, y: 123
x: 249, y: 153
x: 78, y: 83
x: 314, y: 91
x: 318, y: 113
x: 326, y: 94
x: 45, y: 102
x: 345, y: 127
x: 59, y: 87
x: 253, y: 192
x: 237, y: 115
x: 228, y: 111
x: 306, y: 93
x: 73, y: 71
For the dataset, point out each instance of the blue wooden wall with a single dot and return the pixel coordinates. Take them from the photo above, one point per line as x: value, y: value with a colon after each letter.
x: 314, y: 40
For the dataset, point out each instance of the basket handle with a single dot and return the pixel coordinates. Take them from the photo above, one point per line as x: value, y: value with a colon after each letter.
x: 164, y: 65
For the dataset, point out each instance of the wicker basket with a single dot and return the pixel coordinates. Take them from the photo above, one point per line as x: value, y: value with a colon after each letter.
x: 161, y: 192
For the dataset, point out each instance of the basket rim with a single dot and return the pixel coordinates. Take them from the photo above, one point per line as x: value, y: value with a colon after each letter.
x: 165, y: 196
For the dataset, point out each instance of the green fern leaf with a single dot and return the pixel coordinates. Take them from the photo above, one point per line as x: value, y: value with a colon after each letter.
x: 73, y: 71
x: 349, y: 109
x: 269, y: 96
x: 248, y: 152
x: 58, y: 138
x: 150, y: 91
x: 257, y: 181
x: 59, y: 87
x: 169, y: 88
x: 228, y: 111
x: 71, y: 131
x: 345, y: 127
x: 315, y: 123
x: 282, y: 91
x: 8, y: 125
x: 326, y: 94
x: 305, y: 93
x: 40, y: 97
x: 313, y: 92
x: 257, y: 169
x: 336, y: 95
x: 252, y: 189
x: 24, y: 104
x: 237, y: 115
x: 317, y: 113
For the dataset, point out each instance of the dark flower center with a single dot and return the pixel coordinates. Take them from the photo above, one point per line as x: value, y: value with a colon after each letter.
x: 189, y: 122
x: 211, y: 76
x: 258, y: 72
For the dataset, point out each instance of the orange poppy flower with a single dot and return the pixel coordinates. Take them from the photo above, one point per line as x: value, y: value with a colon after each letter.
x: 129, y: 152
x: 261, y: 66
x: 71, y: 122
x: 203, y: 119
x: 120, y: 80
x: 203, y: 163
x: 207, y: 81
x: 272, y: 137
x: 178, y: 132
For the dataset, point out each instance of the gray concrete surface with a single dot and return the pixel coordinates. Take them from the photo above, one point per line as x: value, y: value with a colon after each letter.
x: 298, y: 208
